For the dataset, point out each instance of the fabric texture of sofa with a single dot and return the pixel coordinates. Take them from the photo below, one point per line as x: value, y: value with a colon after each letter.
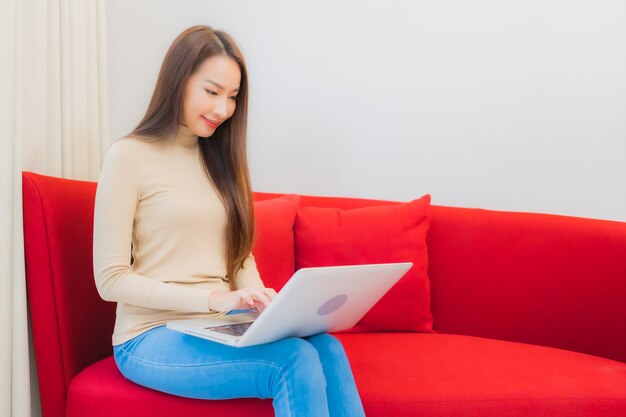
x: 504, y: 313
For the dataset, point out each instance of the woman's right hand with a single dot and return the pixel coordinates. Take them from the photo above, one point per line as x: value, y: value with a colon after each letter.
x: 243, y: 298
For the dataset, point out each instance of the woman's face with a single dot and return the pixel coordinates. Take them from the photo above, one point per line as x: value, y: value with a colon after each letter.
x: 210, y: 95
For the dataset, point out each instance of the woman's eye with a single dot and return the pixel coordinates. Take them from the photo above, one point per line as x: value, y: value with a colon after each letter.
x: 235, y: 98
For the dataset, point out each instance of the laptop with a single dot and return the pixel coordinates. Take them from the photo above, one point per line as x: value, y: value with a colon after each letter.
x: 314, y: 300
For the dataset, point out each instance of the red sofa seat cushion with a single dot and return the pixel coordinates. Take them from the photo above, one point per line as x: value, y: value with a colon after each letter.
x: 430, y: 375
x: 467, y: 376
x: 382, y: 234
x: 102, y: 391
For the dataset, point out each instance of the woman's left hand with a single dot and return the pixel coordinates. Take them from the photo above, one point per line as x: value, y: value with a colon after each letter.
x: 256, y: 298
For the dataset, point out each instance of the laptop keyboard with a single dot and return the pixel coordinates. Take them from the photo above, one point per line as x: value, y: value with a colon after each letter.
x: 235, y: 329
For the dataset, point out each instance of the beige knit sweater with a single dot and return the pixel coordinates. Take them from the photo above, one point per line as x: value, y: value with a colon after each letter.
x: 157, y: 197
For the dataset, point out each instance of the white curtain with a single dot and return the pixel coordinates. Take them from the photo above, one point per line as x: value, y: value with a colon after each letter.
x: 53, y: 121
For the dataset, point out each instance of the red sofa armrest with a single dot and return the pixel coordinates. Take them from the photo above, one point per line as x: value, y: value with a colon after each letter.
x: 546, y: 279
x: 71, y: 324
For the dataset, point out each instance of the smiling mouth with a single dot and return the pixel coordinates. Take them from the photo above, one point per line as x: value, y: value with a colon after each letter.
x: 210, y: 123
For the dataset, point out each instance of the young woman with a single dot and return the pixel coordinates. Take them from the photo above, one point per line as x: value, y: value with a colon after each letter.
x: 173, y: 234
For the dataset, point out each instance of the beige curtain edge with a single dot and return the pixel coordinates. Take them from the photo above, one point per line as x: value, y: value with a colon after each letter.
x: 25, y: 146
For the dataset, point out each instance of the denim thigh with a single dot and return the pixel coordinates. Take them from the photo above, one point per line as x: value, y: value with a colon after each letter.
x: 188, y: 366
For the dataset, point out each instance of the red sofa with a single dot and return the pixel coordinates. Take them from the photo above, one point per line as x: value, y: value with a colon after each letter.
x: 529, y: 316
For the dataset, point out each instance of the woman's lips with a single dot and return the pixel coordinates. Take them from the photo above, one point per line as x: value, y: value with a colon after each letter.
x: 209, y: 123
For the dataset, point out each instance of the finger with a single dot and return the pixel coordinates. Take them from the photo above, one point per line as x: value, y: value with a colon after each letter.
x: 261, y: 307
x: 249, y: 300
x: 263, y: 298
x: 270, y: 293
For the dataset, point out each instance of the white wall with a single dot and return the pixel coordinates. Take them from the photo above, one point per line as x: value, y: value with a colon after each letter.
x: 504, y: 105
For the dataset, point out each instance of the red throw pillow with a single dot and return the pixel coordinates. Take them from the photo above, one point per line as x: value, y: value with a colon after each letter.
x: 377, y: 234
x: 274, y: 247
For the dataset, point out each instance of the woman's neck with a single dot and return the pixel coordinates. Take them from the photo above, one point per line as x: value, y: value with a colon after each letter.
x: 186, y: 138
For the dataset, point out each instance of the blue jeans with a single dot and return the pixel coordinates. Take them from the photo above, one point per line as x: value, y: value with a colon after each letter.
x: 306, y: 377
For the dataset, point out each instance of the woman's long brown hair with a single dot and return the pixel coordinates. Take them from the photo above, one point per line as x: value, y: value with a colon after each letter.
x: 225, y: 154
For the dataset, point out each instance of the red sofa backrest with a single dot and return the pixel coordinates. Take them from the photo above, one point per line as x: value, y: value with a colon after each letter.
x: 537, y: 278
x: 545, y: 279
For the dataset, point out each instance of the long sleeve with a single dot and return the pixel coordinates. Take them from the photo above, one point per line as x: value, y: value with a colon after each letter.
x: 249, y: 276
x: 117, y: 196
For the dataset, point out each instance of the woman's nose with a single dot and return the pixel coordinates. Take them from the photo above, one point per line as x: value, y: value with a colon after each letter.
x: 220, y: 108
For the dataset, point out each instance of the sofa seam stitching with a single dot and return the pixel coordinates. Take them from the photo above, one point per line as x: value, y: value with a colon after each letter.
x: 499, y: 399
